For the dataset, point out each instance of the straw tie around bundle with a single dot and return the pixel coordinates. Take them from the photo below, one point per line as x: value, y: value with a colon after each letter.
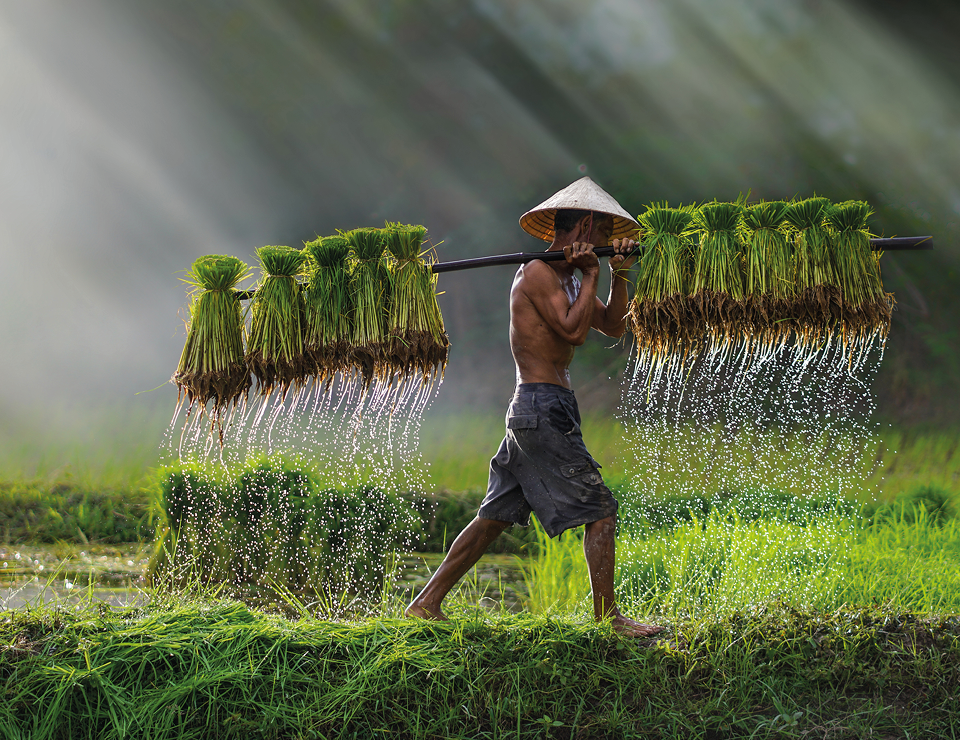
x: 211, y: 365
x: 275, y: 350
x: 328, y: 307
x: 418, y: 342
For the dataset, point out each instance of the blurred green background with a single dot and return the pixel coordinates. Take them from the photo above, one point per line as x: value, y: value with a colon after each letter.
x: 140, y: 135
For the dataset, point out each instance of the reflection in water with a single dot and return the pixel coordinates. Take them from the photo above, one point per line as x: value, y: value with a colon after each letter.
x: 72, y: 575
x: 114, y: 576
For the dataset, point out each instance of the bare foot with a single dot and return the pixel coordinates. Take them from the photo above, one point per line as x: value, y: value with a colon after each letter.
x: 628, y: 628
x: 422, y: 612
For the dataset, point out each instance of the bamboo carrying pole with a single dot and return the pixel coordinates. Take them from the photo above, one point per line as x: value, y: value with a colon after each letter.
x: 896, y: 243
x: 899, y: 243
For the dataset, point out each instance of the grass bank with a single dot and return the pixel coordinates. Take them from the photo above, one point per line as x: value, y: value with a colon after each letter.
x: 198, y: 670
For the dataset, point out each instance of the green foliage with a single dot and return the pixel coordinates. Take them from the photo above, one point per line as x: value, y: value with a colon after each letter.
x: 718, y: 259
x: 328, y: 305
x: 769, y: 261
x: 762, y: 274
x: 211, y: 365
x: 42, y: 512
x: 664, y: 268
x: 175, y: 669
x: 272, y: 526
x: 813, y: 263
x: 418, y: 342
x: 216, y: 272
x: 713, y: 560
x: 275, y: 350
x: 370, y: 288
x: 858, y: 268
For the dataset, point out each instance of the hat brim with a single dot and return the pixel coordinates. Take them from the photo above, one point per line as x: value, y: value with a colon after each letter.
x: 585, y: 195
x: 540, y: 225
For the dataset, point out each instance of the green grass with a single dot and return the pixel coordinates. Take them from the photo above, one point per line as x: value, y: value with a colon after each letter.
x: 902, y: 557
x: 45, y: 479
x: 48, y: 513
x: 199, y: 669
x: 793, y: 619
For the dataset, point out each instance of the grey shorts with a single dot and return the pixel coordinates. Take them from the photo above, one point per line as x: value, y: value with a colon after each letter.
x: 543, y: 466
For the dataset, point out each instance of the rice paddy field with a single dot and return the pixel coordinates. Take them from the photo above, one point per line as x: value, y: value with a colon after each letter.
x: 785, y: 615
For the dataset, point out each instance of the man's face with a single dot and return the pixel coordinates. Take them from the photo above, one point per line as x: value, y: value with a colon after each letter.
x: 602, y: 230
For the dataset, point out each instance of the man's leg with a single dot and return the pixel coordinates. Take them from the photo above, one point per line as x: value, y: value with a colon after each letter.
x: 465, y: 551
x: 599, y: 549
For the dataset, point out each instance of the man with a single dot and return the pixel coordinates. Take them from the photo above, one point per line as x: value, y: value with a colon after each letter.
x: 542, y: 464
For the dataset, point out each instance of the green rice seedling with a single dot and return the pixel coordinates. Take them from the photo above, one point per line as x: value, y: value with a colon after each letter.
x: 769, y: 266
x: 418, y: 341
x: 659, y: 315
x: 328, y: 306
x: 818, y: 300
x: 211, y: 366
x: 370, y: 288
x: 186, y: 500
x: 271, y: 527
x: 865, y: 305
x: 275, y: 350
x: 717, y: 286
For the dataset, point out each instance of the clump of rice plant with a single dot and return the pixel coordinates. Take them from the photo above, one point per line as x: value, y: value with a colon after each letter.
x: 818, y: 299
x: 659, y: 314
x: 328, y: 306
x: 769, y: 265
x: 370, y: 287
x: 418, y: 342
x: 273, y: 527
x: 865, y: 305
x: 211, y: 366
x: 275, y: 350
x: 717, y: 279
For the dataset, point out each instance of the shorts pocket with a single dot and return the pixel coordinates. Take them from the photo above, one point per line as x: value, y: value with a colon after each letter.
x: 522, y: 421
x: 585, y: 470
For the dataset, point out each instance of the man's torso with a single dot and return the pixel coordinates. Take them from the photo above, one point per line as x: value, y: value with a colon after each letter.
x: 541, y: 355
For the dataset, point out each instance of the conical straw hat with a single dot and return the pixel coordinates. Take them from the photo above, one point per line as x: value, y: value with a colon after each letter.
x: 586, y: 195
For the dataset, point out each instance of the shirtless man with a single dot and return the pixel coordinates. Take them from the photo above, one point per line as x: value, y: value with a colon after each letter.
x: 542, y: 464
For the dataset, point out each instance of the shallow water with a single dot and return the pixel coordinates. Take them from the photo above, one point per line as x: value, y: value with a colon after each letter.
x: 114, y: 575
x: 31, y: 575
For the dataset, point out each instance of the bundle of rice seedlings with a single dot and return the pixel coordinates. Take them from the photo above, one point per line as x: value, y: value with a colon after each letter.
x: 418, y: 342
x: 769, y: 266
x: 370, y: 288
x: 865, y: 305
x: 275, y: 350
x: 328, y: 305
x: 717, y: 279
x: 211, y: 366
x: 659, y: 315
x: 818, y: 299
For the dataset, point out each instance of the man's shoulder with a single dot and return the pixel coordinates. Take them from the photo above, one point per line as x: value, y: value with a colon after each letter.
x: 538, y: 273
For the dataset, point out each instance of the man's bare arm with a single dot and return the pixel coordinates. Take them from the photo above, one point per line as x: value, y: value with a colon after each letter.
x: 570, y: 321
x: 611, y: 319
